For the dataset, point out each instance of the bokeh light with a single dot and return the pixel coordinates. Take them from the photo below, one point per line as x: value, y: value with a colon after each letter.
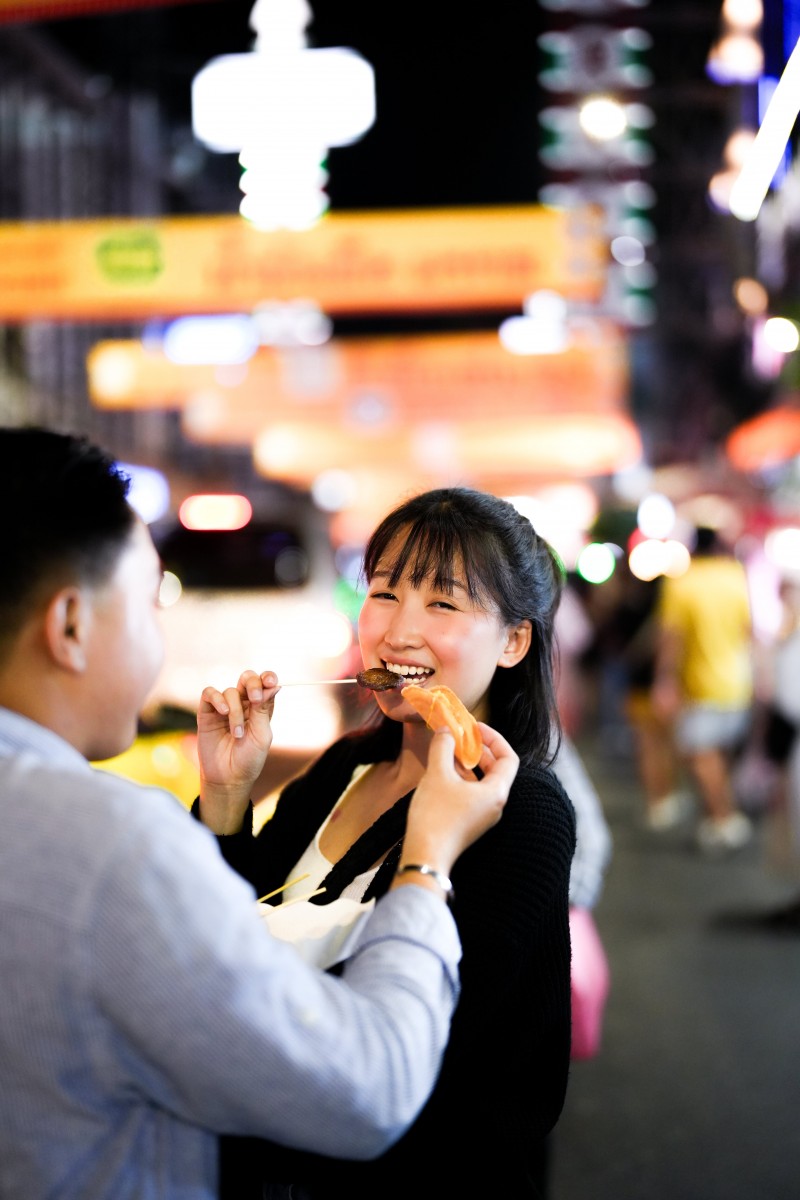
x: 596, y: 562
x: 208, y: 511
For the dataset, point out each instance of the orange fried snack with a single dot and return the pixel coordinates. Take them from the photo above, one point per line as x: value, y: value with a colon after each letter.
x: 441, y: 706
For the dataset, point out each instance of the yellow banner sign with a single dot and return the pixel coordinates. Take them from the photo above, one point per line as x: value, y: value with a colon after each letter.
x: 423, y: 260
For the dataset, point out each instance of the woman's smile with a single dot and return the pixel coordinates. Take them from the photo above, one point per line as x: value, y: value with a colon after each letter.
x: 408, y: 670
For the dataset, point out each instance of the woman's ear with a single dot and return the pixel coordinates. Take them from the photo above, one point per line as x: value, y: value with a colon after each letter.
x: 66, y: 625
x: 518, y: 643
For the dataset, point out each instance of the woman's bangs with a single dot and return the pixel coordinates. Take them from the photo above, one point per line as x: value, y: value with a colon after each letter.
x: 435, y: 548
x: 427, y: 554
x: 443, y: 556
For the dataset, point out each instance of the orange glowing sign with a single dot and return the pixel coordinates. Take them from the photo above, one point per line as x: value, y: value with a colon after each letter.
x: 771, y: 437
x: 574, y: 445
x: 436, y: 407
x: 423, y: 260
x: 365, y: 384
x: 53, y: 10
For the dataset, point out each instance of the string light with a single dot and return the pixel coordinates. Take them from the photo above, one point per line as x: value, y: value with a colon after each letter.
x: 281, y: 108
x: 764, y: 158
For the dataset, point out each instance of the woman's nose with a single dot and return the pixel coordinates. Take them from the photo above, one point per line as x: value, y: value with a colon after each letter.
x: 403, y: 629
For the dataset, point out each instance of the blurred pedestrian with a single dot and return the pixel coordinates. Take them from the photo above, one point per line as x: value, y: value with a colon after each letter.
x: 782, y: 744
x: 666, y: 803
x: 574, y: 636
x: 704, y: 680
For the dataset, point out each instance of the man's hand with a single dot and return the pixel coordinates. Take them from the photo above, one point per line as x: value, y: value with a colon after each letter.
x: 451, y: 809
x: 234, y: 734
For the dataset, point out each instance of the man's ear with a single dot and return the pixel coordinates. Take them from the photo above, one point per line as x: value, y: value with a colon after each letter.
x: 518, y: 643
x: 66, y: 626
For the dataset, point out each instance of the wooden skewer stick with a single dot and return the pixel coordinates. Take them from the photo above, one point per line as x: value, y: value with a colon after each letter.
x: 312, y: 682
x: 307, y: 896
x: 283, y: 887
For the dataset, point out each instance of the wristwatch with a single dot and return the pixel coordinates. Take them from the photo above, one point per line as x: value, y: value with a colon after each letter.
x: 438, y: 876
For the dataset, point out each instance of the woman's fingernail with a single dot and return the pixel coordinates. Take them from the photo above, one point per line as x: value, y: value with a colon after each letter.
x: 238, y: 731
x: 257, y: 694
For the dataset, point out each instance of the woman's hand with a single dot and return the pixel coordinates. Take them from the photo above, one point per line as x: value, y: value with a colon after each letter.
x: 234, y: 734
x: 451, y: 808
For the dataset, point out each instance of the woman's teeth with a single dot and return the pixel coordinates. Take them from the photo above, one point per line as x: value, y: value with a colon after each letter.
x: 409, y: 672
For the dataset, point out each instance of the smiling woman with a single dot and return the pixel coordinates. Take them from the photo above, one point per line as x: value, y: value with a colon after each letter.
x: 461, y: 599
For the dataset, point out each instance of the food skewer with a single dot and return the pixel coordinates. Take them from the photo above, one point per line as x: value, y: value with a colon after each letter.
x: 377, y: 679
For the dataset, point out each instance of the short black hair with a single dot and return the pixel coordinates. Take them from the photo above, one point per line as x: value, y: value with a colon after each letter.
x: 66, y: 516
x: 707, y: 540
x: 509, y: 567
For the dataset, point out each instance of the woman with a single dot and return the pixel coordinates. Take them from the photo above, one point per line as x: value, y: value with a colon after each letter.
x: 462, y: 592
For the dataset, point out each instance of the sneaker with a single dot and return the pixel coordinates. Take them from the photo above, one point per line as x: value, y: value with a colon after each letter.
x: 720, y: 837
x: 667, y: 812
x: 782, y: 920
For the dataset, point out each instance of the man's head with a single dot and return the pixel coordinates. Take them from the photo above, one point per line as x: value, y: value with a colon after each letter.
x: 80, y: 645
x: 707, y: 541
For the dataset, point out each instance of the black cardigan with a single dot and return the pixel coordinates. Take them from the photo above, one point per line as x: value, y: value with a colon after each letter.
x: 504, y: 1075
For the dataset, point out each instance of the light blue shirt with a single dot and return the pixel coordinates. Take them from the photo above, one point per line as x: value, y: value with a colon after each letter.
x: 145, y: 1008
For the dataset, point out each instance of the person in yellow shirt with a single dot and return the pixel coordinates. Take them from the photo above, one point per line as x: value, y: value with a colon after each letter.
x: 704, y: 679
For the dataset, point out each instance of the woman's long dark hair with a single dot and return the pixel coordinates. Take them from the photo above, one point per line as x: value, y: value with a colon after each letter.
x: 508, y: 567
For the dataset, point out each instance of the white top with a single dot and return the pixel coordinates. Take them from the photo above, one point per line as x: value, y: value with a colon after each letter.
x: 315, y: 866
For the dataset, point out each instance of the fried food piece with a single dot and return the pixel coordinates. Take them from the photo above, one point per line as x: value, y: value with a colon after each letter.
x: 378, y: 679
x: 441, y: 706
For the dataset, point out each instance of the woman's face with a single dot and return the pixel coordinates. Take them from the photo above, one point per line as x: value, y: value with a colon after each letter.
x: 434, y: 637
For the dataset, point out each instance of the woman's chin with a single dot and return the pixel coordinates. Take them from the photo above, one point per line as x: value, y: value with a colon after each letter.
x: 391, y: 704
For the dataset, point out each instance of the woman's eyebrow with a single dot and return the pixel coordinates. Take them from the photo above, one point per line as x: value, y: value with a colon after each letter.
x: 457, y: 583
x: 449, y: 584
x: 446, y: 583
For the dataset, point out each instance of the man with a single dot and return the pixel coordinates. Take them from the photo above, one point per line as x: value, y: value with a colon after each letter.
x: 704, y: 679
x: 145, y: 1007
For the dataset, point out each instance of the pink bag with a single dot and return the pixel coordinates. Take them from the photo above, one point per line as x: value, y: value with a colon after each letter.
x: 590, y: 983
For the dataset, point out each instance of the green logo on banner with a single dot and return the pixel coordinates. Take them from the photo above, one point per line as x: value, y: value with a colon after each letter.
x: 130, y: 257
